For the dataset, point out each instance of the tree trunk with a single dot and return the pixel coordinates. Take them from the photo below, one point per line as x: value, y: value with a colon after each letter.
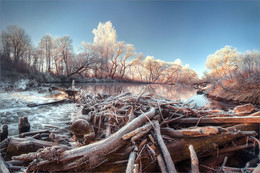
x: 18, y: 146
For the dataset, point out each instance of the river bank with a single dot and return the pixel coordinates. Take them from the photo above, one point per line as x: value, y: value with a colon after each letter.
x: 235, y: 95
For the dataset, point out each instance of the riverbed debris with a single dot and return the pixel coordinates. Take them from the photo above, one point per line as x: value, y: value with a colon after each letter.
x: 141, y: 133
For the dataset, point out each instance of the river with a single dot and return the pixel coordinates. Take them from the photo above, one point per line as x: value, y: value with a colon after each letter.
x: 13, y: 104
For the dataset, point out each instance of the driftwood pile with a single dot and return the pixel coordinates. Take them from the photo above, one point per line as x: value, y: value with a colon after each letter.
x: 141, y: 134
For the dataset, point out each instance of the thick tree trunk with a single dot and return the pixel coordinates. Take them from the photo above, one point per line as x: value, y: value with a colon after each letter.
x: 19, y: 146
x: 207, y: 143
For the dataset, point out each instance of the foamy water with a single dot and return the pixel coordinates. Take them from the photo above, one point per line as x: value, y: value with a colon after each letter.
x: 14, y: 105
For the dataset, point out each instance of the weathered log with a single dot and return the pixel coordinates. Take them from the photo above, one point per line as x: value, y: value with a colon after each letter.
x: 228, y: 150
x: 136, y: 168
x: 227, y: 169
x: 3, y: 166
x: 161, y: 163
x: 166, y: 154
x: 192, y: 132
x: 141, y: 130
x: 194, y: 160
x: 14, y: 168
x: 49, y: 103
x: 3, y: 145
x: 131, y: 161
x: 244, y: 109
x: 255, y: 114
x: 19, y: 146
x: 207, y: 143
x: 22, y: 135
x: 92, y: 155
x: 219, y: 120
x: 4, y: 132
x: 24, y: 125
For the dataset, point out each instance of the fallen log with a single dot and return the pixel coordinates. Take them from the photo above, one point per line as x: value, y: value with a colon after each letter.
x: 194, y: 160
x: 131, y: 161
x: 167, y: 157
x: 207, y: 143
x: 139, y: 131
x: 3, y: 166
x: 22, y: 135
x: 238, y: 170
x: 161, y: 163
x: 219, y: 120
x: 192, y: 132
x: 49, y: 103
x: 90, y: 156
x: 19, y: 146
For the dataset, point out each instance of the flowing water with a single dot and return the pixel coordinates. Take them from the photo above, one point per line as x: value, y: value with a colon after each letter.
x: 57, y: 117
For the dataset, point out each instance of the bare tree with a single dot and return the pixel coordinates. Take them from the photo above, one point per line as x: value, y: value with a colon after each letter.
x: 63, y: 51
x: 15, y: 40
x: 46, y: 46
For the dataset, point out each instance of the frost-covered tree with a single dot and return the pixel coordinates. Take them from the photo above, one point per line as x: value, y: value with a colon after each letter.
x: 16, y: 41
x: 46, y: 48
x: 113, y: 56
x: 223, y: 61
x: 63, y: 54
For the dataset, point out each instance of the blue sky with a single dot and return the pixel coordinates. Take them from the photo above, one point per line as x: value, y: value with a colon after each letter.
x: 188, y: 30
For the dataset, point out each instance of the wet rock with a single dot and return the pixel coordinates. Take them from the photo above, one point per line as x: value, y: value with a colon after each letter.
x: 81, y: 128
x: 244, y: 109
x: 4, y: 132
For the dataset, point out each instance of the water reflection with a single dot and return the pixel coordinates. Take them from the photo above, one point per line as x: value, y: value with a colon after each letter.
x: 172, y: 92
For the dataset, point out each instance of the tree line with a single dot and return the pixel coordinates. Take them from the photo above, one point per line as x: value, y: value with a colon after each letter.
x: 105, y: 58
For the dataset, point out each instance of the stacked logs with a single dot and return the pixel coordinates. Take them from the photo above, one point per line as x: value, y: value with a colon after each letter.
x: 143, y: 134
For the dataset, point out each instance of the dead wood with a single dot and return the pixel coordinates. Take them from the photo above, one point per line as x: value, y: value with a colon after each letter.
x: 49, y: 103
x: 119, y: 124
x: 192, y: 132
x: 19, y: 146
x: 229, y: 150
x: 92, y: 155
x: 139, y: 132
x: 3, y: 166
x: 4, y: 132
x: 206, y: 143
x: 219, y: 120
x: 24, y: 125
x: 194, y: 160
x: 237, y: 170
x: 161, y: 163
x: 22, y: 135
x: 164, y: 149
x: 131, y: 161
